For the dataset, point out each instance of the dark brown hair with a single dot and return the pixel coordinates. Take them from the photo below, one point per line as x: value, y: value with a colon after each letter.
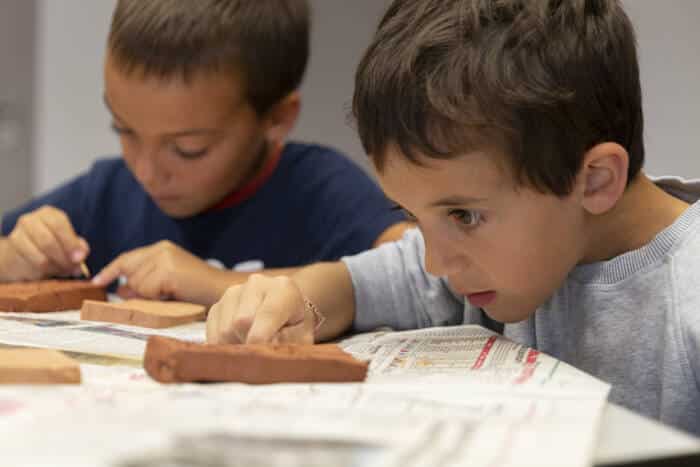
x: 541, y: 80
x: 265, y: 42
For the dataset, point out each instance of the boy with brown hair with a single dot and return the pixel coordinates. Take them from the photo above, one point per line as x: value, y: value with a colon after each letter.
x: 512, y: 131
x: 203, y: 95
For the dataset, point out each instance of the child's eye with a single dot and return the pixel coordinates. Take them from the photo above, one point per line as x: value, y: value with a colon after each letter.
x: 190, y: 154
x: 120, y: 130
x: 465, y: 217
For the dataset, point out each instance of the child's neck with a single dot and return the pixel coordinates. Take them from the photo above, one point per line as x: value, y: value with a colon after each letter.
x: 643, y: 211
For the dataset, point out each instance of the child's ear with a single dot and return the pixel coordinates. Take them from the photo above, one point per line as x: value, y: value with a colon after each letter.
x: 602, y: 179
x: 282, y: 117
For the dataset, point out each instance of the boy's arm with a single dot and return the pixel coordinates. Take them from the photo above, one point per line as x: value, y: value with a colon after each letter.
x: 166, y: 270
x: 392, y: 288
x: 285, y: 309
x: 383, y: 287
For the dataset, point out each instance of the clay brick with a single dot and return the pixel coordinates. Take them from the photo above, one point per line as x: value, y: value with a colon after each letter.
x: 171, y: 361
x: 48, y: 295
x: 37, y: 366
x: 144, y: 313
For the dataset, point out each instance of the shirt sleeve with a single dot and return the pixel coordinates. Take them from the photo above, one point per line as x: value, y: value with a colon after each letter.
x: 69, y: 198
x: 392, y: 288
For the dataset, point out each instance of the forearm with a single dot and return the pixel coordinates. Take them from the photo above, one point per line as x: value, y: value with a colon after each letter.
x: 329, y: 287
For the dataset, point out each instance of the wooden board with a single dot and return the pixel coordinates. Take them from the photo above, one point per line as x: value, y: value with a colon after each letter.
x: 144, y: 313
x: 170, y: 360
x: 37, y: 366
x: 48, y: 295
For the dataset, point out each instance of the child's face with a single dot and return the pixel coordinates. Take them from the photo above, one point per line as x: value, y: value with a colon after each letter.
x: 506, y: 248
x: 188, y: 144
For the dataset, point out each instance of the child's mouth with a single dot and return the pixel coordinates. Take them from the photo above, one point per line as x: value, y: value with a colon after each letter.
x: 481, y: 299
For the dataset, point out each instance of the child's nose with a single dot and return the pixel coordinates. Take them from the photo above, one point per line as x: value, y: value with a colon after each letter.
x: 440, y: 259
x: 149, y: 170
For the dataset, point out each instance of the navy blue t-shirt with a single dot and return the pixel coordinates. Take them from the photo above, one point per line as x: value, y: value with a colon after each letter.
x: 316, y: 206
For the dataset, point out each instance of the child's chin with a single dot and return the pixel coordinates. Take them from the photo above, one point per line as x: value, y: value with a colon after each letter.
x: 506, y: 315
x: 178, y: 212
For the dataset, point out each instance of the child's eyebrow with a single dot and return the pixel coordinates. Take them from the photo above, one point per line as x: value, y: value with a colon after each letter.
x: 456, y: 200
x: 109, y: 107
x: 189, y: 132
x: 194, y: 132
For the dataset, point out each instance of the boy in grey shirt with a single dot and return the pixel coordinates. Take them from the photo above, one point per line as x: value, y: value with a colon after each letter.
x: 511, y: 131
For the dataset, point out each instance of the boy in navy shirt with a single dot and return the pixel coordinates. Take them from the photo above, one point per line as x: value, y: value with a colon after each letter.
x: 202, y: 95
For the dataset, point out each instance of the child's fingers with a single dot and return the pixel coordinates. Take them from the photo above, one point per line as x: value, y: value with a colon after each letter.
x: 239, y: 318
x: 301, y: 333
x: 24, y: 246
x: 147, y: 281
x: 21, y: 268
x: 48, y: 243
x: 227, y: 305
x: 213, y: 324
x: 75, y: 248
x: 124, y: 265
x: 126, y: 292
x: 279, y: 309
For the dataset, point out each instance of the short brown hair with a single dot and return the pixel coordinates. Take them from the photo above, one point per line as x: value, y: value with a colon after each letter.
x: 542, y: 80
x: 266, y: 42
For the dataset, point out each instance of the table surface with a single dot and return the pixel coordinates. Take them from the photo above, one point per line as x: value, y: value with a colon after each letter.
x: 625, y: 437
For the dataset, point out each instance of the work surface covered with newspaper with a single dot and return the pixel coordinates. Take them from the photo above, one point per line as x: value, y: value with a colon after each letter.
x: 436, y: 397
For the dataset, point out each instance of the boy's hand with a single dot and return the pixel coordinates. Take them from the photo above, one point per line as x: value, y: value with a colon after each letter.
x: 42, y: 244
x: 264, y: 309
x: 163, y: 271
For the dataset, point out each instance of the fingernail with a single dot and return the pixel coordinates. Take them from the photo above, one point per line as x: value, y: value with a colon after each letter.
x: 97, y: 280
x: 78, y: 255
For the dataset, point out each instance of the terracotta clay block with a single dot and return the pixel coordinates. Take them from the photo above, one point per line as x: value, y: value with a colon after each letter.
x: 144, y: 313
x: 174, y: 361
x: 37, y: 366
x: 49, y: 295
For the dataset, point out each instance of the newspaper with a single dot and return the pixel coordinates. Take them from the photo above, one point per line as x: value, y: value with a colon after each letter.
x: 436, y: 397
x: 65, y: 331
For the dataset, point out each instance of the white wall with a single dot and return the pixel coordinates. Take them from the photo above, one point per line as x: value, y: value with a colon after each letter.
x: 72, y: 125
x: 668, y: 38
x: 17, y: 40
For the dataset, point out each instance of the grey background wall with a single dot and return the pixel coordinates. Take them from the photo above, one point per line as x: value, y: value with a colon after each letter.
x: 70, y: 128
x: 17, y: 61
x: 668, y: 39
x: 73, y: 126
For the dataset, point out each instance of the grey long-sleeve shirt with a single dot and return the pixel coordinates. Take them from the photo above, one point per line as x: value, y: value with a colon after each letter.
x: 633, y: 321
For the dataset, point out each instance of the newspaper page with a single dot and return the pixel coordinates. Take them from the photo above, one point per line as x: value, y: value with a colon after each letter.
x: 435, y: 397
x: 65, y: 331
x: 469, y: 353
x: 126, y: 420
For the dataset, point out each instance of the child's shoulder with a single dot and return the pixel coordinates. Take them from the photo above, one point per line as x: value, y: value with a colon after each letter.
x: 319, y: 157
x: 109, y: 168
x: 110, y: 177
x: 685, y: 256
x: 314, y: 167
x: 687, y: 226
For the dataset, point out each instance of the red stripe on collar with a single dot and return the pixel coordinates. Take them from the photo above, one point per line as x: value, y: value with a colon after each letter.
x: 249, y: 189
